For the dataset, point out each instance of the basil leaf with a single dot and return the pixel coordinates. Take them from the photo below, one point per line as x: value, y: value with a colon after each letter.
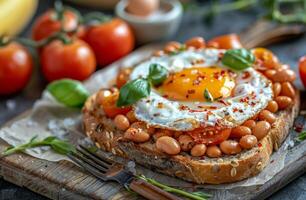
x: 69, y: 92
x: 133, y: 91
x: 238, y: 59
x: 157, y: 74
x: 208, y: 96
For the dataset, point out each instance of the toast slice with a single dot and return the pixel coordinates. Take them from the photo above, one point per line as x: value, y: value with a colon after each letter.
x: 205, y: 170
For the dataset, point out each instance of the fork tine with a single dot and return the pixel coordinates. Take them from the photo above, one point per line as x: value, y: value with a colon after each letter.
x: 88, y: 167
x: 89, y: 161
x: 92, y: 157
x: 107, y: 161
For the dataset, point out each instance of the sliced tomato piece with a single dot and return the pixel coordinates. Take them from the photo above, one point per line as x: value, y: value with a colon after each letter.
x: 108, y: 101
x: 230, y: 41
x: 210, y: 137
x: 265, y: 58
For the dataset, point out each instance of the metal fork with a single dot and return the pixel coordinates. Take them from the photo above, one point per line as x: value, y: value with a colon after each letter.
x: 108, y: 170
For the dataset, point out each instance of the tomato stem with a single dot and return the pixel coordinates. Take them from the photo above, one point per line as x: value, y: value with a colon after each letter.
x: 95, y: 18
x: 4, y: 40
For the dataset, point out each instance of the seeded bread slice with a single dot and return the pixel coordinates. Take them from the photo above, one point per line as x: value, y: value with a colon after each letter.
x: 208, y: 170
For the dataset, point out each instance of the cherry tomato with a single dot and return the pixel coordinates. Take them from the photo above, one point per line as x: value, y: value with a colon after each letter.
x: 204, y: 137
x: 110, y: 40
x: 47, y: 24
x: 15, y: 68
x: 74, y: 60
x: 302, y: 69
x: 265, y: 58
x: 108, y: 103
x: 230, y: 41
x: 123, y: 77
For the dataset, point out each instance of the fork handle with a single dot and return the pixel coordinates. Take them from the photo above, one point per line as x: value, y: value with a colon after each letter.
x: 150, y: 191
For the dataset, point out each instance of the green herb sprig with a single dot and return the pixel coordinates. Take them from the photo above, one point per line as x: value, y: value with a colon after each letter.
x: 140, y: 88
x: 190, y: 195
x: 208, y: 96
x: 59, y: 146
x: 302, y: 136
x: 294, y: 12
x: 238, y: 59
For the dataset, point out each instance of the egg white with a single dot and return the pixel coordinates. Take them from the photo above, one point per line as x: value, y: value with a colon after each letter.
x: 230, y: 112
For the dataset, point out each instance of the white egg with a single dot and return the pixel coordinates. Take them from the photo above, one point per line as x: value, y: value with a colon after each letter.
x: 251, y: 94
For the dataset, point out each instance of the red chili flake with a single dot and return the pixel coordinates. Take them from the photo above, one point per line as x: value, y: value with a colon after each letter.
x: 192, y: 91
x: 259, y: 145
x: 244, y: 100
x: 253, y: 104
x: 235, y: 109
x: 224, y: 102
x: 183, y: 107
x: 213, y: 107
x: 187, y: 96
x: 246, y: 75
x: 241, y: 111
x: 160, y: 105
x: 182, y: 75
x: 165, y: 96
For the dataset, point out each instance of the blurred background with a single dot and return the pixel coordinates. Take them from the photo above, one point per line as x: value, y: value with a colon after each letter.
x: 31, y: 22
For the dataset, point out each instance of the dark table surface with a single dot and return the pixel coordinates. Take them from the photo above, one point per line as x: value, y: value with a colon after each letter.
x: 192, y: 25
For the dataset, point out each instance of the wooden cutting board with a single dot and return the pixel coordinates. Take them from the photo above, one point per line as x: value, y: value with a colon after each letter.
x: 64, y: 180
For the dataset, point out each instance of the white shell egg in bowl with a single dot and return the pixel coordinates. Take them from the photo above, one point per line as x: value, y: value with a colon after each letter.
x: 157, y: 26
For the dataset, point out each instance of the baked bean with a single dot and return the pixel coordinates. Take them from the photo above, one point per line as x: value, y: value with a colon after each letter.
x: 240, y: 131
x: 161, y: 133
x: 266, y: 115
x: 261, y: 129
x: 131, y: 116
x: 283, y: 102
x: 121, y: 122
x: 158, y: 53
x: 136, y: 135
x: 102, y: 94
x: 196, y: 42
x: 213, y: 151
x: 177, y: 134
x: 198, y: 150
x: 283, y: 75
x: 272, y: 106
x: 249, y: 123
x: 248, y: 141
x: 168, y: 145
x: 269, y: 73
x: 287, y: 90
x: 277, y: 87
x: 172, y: 46
x: 186, y: 142
x: 230, y: 147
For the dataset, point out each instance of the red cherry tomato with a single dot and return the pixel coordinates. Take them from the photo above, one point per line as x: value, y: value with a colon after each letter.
x: 108, y: 103
x: 230, y: 41
x: 110, y: 40
x: 74, y: 60
x: 15, y: 68
x: 47, y: 24
x: 204, y: 137
x: 302, y: 69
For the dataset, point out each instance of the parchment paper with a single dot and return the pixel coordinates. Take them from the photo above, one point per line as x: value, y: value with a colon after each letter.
x: 50, y: 118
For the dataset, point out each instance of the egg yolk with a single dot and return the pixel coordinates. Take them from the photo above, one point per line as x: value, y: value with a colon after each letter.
x: 190, y: 84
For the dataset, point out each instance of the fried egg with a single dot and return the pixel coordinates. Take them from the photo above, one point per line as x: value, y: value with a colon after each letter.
x: 180, y: 102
